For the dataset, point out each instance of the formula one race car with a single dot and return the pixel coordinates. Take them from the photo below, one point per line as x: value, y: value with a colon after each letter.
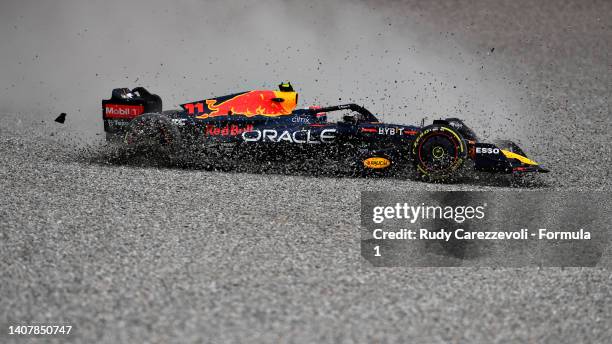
x: 265, y: 124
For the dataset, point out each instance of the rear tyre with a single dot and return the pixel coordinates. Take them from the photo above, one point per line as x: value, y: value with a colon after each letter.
x: 114, y: 138
x: 438, y: 152
x: 155, y: 134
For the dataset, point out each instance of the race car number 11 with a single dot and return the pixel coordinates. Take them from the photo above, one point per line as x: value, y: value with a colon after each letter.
x: 191, y: 108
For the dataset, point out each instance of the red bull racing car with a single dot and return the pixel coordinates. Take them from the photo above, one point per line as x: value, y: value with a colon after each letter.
x: 265, y: 124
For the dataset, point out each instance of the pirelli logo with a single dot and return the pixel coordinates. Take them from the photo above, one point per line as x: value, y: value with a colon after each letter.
x: 122, y: 111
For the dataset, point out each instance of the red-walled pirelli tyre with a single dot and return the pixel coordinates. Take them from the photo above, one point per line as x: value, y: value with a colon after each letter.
x: 152, y: 132
x: 438, y: 152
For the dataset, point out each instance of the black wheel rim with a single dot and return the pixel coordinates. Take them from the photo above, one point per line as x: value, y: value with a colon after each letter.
x: 438, y: 152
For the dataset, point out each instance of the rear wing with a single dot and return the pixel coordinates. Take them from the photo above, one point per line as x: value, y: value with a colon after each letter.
x: 125, y: 104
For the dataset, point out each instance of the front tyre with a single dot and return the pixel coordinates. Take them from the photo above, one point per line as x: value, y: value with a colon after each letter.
x: 438, y: 153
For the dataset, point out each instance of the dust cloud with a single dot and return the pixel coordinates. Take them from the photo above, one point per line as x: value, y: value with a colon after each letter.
x: 65, y: 56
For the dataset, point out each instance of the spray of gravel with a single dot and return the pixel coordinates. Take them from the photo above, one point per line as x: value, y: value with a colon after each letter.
x: 65, y: 56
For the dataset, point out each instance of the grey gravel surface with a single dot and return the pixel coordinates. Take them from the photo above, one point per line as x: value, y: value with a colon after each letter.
x: 133, y: 254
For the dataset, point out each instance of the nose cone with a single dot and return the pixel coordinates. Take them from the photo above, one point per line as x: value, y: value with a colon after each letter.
x: 518, y: 159
x: 523, y: 159
x: 521, y: 163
